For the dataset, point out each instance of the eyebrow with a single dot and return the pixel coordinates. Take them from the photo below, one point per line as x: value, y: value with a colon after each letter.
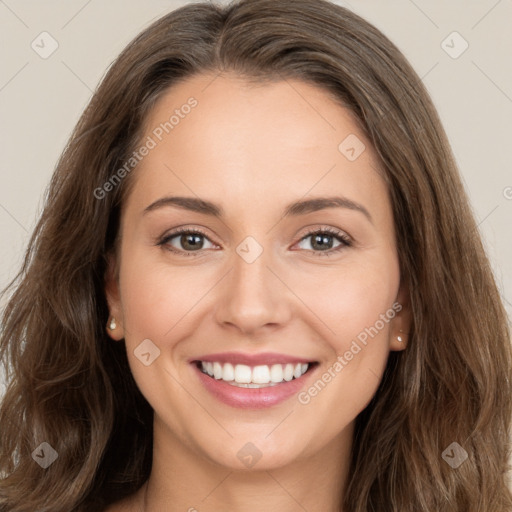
x: 293, y: 209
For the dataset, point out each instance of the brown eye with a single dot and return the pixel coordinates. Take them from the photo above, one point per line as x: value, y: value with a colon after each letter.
x: 322, y: 241
x: 185, y: 241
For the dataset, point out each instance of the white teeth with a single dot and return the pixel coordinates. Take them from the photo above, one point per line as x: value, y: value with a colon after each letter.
x: 254, y: 377
x: 242, y: 374
x: 276, y: 373
x: 251, y: 385
x: 267, y: 385
x: 261, y: 375
x: 288, y: 372
x: 217, y: 370
x: 228, y: 372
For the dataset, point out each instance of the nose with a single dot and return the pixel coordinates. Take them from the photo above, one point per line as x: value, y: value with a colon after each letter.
x: 253, y: 297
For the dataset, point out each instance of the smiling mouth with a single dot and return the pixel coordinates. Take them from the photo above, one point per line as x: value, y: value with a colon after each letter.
x: 260, y: 376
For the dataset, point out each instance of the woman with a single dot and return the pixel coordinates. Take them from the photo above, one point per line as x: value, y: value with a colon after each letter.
x: 256, y: 284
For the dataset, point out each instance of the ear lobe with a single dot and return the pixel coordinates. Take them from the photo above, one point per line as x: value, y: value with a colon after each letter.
x: 112, y: 295
x: 401, y: 323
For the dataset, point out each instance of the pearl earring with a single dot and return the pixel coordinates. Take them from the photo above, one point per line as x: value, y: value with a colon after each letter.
x: 399, y: 338
x: 112, y: 324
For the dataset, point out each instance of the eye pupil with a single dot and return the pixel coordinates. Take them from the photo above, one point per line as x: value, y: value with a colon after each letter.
x: 322, y: 241
x: 191, y: 241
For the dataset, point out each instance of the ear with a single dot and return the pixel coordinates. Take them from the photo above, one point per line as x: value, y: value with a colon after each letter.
x: 113, y: 297
x: 401, y: 323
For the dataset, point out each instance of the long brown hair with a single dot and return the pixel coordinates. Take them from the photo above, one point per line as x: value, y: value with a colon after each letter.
x: 69, y: 385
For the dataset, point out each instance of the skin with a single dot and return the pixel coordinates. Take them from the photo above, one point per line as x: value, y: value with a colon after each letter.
x: 253, y: 150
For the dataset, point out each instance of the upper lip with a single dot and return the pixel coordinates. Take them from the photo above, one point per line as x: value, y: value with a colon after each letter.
x: 263, y: 358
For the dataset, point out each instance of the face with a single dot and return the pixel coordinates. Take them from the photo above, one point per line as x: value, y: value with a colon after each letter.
x: 252, y: 276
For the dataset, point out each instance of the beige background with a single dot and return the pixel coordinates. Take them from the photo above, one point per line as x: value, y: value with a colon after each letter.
x: 42, y: 99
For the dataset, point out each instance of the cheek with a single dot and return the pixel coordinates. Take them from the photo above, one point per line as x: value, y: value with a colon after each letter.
x: 158, y: 302
x: 347, y: 301
x: 356, y: 310
x: 156, y: 296
x: 341, y: 302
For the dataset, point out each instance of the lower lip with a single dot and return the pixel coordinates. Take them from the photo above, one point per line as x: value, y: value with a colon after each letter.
x: 252, y: 398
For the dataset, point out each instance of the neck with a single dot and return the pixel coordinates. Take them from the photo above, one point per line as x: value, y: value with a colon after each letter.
x: 183, y: 480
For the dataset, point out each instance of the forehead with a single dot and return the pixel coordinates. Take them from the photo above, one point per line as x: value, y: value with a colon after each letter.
x: 219, y: 137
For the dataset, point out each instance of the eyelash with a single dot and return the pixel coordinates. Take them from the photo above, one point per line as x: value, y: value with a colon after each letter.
x: 344, y: 239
